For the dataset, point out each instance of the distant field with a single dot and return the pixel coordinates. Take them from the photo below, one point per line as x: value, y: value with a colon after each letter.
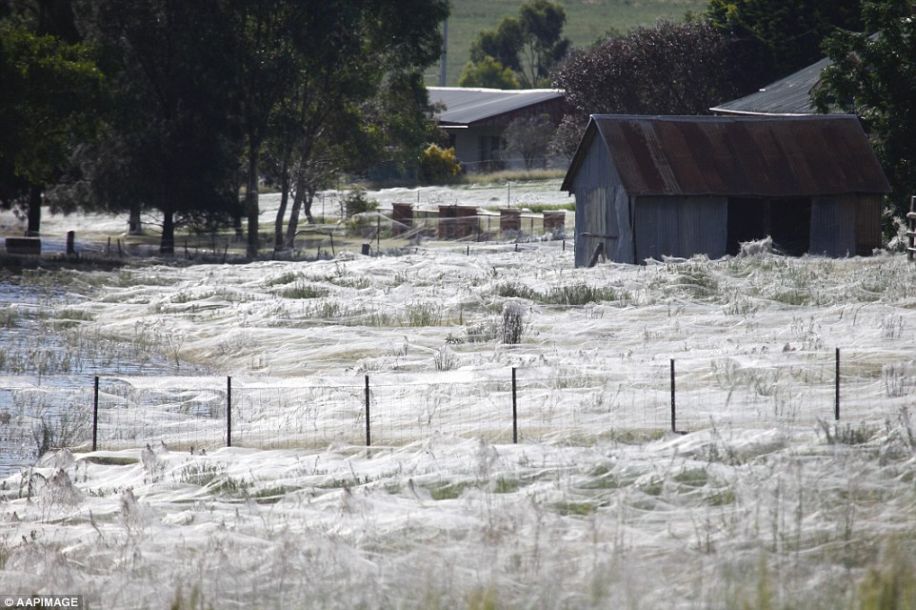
x: 586, y: 21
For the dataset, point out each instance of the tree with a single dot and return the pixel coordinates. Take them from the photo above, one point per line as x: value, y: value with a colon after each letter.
x: 669, y: 68
x: 566, y: 138
x: 875, y: 77
x: 502, y: 44
x: 399, y: 126
x: 267, y: 36
x: 530, y: 45
x: 488, y: 72
x: 169, y: 121
x: 528, y: 137
x: 543, y: 46
x: 48, y: 102
x: 773, y: 38
x: 357, y: 87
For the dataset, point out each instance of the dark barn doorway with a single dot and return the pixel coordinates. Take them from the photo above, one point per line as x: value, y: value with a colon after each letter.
x: 787, y: 221
x: 790, y: 225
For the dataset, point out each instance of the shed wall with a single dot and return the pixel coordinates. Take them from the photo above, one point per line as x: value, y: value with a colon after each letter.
x: 833, y: 225
x: 682, y: 227
x: 602, y: 208
x: 868, y: 224
x: 468, y: 147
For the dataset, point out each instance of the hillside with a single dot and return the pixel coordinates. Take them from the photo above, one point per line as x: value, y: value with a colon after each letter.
x: 586, y: 21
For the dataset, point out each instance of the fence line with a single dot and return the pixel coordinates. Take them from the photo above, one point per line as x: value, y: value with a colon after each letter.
x: 508, y: 405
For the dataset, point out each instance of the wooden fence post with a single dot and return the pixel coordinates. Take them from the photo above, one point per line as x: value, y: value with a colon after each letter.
x: 95, y: 416
x: 514, y: 410
x: 673, y: 401
x: 836, y: 400
x: 228, y: 411
x: 368, y: 429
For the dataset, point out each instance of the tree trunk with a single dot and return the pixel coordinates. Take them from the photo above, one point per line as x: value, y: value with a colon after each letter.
x: 237, y: 224
x: 307, y: 205
x: 294, y: 212
x: 251, y: 197
x: 167, y: 243
x: 134, y: 226
x: 34, y: 212
x: 284, y: 198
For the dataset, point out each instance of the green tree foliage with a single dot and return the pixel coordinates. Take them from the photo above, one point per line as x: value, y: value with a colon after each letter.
x: 875, y: 77
x: 566, y: 138
x: 356, y: 90
x: 401, y: 127
x: 773, y: 38
x: 266, y: 38
x: 311, y: 87
x: 169, y: 143
x: 544, y: 45
x: 531, y: 45
x: 48, y: 99
x: 669, y: 68
x: 488, y: 72
x: 527, y: 138
x: 502, y: 44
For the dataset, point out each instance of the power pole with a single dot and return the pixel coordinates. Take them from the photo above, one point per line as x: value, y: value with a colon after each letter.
x: 443, y: 59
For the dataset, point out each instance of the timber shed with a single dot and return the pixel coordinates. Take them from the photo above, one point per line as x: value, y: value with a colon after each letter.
x: 654, y: 186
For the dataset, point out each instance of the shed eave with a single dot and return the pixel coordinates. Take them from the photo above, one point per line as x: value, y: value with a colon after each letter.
x: 758, y: 195
x: 721, y: 110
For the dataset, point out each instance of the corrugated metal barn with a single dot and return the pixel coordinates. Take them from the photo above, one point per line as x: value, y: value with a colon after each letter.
x: 648, y: 187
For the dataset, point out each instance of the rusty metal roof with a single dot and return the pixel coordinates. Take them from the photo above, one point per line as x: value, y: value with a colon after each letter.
x: 736, y: 156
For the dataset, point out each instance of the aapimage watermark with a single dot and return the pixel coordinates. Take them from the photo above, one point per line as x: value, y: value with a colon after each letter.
x: 71, y: 602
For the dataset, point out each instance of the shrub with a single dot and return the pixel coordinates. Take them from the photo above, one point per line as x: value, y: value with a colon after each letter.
x: 301, y: 290
x: 445, y: 359
x: 357, y: 202
x: 438, y: 165
x: 513, y: 324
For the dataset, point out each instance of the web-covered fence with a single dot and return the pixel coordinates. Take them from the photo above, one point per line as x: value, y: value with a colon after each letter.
x: 35, y: 419
x: 529, y: 404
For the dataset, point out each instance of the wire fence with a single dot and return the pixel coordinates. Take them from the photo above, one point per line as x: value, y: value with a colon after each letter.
x: 501, y: 406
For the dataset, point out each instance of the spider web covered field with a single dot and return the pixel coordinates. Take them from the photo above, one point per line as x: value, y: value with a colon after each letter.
x: 765, y: 503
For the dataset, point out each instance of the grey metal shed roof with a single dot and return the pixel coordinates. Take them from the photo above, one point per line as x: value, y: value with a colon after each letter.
x: 736, y: 155
x: 790, y: 96
x: 464, y: 106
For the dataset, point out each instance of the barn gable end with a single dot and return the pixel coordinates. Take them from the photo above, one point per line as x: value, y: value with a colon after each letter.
x: 603, y: 205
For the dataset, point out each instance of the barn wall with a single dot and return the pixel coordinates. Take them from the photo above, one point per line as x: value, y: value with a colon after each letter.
x: 468, y: 145
x: 833, y: 225
x: 674, y: 226
x: 868, y: 224
x: 602, y: 208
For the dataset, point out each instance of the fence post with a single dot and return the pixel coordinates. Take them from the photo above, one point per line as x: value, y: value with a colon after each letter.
x: 95, y: 416
x: 673, y: 401
x: 836, y: 402
x: 514, y: 410
x: 228, y: 411
x: 368, y: 429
